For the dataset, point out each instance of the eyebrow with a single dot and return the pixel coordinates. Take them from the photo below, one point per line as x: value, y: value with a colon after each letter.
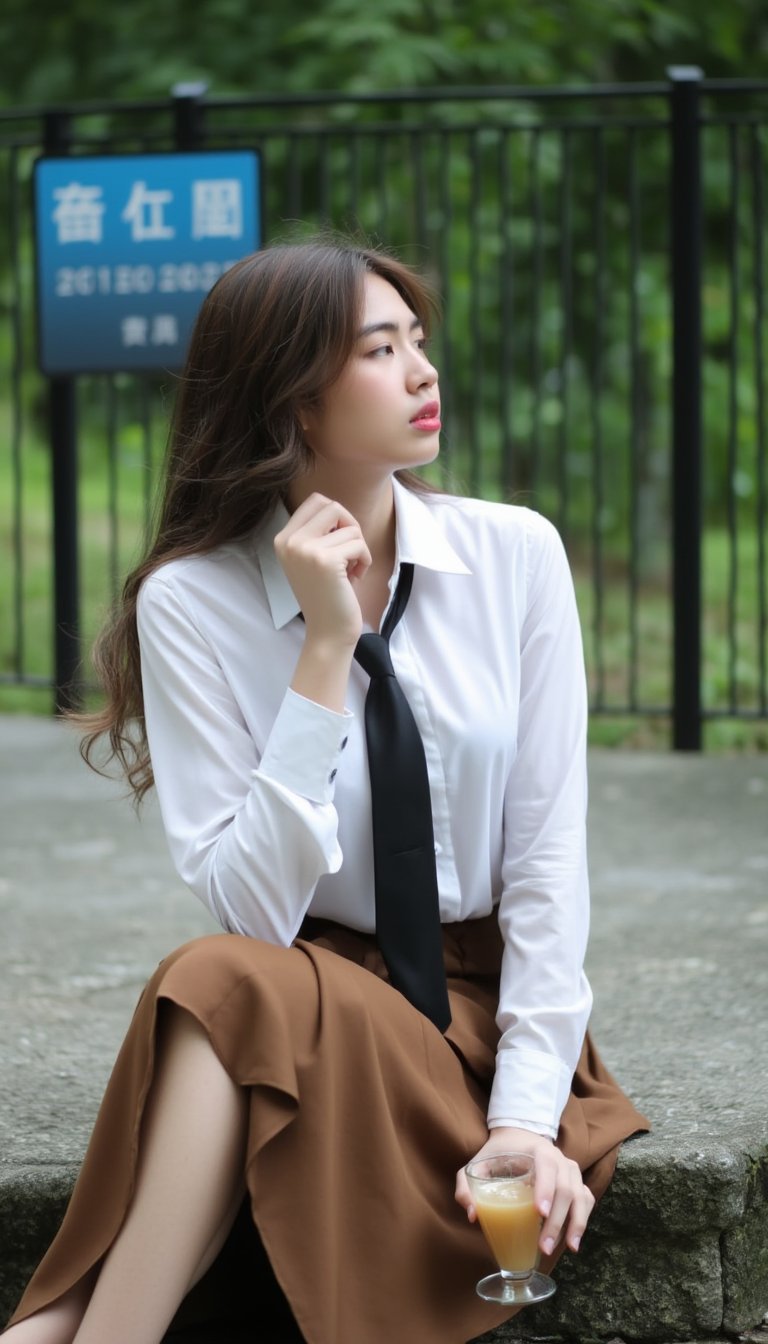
x: 387, y: 326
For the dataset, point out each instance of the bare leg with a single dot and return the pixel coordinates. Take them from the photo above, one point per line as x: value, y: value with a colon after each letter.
x: 188, y: 1190
x: 58, y: 1323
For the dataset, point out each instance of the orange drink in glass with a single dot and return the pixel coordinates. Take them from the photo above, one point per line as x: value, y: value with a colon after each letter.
x: 502, y: 1192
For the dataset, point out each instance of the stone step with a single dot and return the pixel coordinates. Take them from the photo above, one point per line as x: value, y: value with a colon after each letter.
x: 678, y: 1249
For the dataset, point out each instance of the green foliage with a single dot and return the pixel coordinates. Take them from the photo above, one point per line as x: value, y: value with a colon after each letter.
x: 555, y: 349
x: 87, y: 50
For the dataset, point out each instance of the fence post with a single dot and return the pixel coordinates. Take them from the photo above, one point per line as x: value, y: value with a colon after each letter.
x: 62, y: 419
x: 686, y: 232
x: 189, y: 115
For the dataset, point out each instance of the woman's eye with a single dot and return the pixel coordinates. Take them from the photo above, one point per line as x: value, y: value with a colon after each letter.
x: 380, y: 350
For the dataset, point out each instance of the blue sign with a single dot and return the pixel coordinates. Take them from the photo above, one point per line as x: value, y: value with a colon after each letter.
x: 127, y: 248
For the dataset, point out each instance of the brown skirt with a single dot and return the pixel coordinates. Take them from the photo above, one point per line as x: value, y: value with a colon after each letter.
x: 360, y: 1115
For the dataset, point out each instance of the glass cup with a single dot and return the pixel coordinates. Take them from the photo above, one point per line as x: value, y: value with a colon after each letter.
x: 502, y: 1193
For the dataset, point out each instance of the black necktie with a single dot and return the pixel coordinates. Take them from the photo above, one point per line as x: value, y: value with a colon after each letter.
x: 407, y: 910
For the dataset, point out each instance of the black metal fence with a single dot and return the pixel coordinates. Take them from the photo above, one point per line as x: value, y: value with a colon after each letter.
x: 601, y: 257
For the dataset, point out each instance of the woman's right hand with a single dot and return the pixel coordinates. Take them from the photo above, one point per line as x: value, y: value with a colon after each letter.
x: 321, y: 548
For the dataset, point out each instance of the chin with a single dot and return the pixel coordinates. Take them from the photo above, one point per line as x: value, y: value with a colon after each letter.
x: 429, y: 453
x: 419, y: 454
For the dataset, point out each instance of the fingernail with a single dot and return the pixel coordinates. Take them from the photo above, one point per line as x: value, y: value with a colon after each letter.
x: 545, y: 1206
x: 576, y: 1243
x: 548, y: 1245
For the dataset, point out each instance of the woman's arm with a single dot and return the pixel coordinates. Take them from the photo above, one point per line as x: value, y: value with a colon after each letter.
x: 543, y: 913
x: 249, y: 833
x: 322, y: 551
x: 545, y: 999
x: 252, y: 835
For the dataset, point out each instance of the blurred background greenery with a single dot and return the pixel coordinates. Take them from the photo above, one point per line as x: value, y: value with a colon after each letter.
x: 540, y: 441
x: 51, y: 52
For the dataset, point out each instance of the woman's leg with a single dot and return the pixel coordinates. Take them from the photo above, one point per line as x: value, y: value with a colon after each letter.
x: 58, y: 1323
x: 189, y: 1187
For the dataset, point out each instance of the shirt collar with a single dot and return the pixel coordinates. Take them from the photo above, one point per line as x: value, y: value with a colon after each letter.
x: 280, y: 595
x: 419, y: 540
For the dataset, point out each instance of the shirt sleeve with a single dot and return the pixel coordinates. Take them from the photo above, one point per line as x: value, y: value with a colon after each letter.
x: 545, y: 999
x: 249, y: 835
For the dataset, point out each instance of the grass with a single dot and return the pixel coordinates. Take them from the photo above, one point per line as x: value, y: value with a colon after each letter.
x: 628, y: 648
x: 111, y: 535
x: 627, y: 632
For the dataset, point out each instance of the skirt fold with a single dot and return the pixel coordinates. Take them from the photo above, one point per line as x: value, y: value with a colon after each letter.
x: 360, y: 1115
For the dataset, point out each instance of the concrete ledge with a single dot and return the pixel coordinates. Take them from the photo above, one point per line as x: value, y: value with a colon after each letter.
x: 32, y: 1204
x: 638, y: 1278
x: 678, y: 1250
x: 645, y: 1276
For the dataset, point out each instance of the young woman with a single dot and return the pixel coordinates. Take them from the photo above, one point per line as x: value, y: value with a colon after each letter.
x: 276, y: 1064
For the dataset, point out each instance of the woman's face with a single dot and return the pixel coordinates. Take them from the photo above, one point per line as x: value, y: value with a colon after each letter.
x: 384, y: 410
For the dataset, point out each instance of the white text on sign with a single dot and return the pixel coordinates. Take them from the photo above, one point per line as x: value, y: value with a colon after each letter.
x: 216, y: 208
x: 185, y: 277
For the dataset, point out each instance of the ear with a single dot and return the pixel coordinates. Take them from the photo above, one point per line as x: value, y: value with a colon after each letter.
x: 308, y: 421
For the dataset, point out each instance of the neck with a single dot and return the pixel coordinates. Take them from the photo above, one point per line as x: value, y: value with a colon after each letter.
x: 371, y: 503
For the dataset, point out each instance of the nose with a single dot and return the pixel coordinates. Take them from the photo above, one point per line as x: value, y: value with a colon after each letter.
x: 422, y: 372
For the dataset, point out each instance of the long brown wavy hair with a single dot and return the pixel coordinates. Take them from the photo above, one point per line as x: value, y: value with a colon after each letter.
x: 271, y: 337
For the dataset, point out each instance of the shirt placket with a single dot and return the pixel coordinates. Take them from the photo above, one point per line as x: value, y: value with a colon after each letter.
x: 407, y: 672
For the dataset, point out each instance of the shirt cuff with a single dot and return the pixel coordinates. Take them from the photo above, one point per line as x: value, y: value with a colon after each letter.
x: 531, y: 1085
x: 545, y: 1130
x: 305, y: 746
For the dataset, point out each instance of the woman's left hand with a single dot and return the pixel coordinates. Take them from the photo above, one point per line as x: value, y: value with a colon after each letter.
x: 560, y: 1195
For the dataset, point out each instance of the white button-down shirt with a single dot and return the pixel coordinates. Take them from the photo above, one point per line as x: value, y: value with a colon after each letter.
x: 265, y: 795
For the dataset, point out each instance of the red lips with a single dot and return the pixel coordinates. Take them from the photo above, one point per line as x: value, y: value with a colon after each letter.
x: 430, y: 411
